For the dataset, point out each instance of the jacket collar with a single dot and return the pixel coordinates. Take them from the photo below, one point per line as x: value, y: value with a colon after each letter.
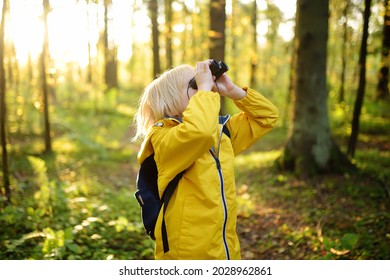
x: 222, y: 119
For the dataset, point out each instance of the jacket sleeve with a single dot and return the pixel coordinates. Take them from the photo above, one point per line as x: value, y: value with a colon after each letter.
x: 177, y: 147
x: 258, y: 117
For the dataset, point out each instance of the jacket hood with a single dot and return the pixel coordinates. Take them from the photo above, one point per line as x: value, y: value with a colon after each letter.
x: 146, y: 148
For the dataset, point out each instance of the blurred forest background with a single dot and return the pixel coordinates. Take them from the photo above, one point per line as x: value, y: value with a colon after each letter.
x: 72, y: 72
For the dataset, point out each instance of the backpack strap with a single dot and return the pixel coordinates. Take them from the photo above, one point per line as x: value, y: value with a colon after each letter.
x: 170, y: 189
x: 223, y: 120
x: 225, y: 130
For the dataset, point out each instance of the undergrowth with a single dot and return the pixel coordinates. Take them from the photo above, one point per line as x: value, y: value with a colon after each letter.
x: 77, y: 202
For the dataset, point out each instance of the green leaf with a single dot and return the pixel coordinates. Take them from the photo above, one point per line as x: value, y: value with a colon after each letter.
x: 74, y: 248
x: 349, y: 240
x: 69, y: 234
x: 327, y: 243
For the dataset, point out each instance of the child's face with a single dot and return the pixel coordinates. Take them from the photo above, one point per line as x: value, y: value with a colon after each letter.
x: 187, y: 92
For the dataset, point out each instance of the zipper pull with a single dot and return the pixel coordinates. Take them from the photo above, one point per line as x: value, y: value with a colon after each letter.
x: 218, y: 163
x: 216, y: 159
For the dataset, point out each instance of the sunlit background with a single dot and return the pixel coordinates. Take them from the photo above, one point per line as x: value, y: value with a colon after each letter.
x: 76, y: 202
x: 73, y: 23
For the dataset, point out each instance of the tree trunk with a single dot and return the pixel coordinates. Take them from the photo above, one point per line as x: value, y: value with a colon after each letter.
x: 110, y: 53
x: 383, y: 83
x: 254, y: 59
x: 287, y: 106
x: 45, y: 90
x: 3, y: 115
x: 235, y: 35
x: 185, y: 35
x: 217, y: 35
x: 132, y: 35
x: 89, y: 67
x: 311, y: 148
x: 344, y: 53
x: 217, y: 29
x: 291, y: 80
x: 153, y: 10
x: 168, y: 35
x: 105, y: 39
x: 362, y: 82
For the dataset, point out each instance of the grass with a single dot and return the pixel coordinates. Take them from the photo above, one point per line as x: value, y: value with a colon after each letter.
x: 333, y: 216
x: 77, y: 203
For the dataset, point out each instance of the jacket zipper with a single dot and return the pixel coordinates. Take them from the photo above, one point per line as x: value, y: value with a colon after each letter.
x: 222, y: 186
x: 225, y: 210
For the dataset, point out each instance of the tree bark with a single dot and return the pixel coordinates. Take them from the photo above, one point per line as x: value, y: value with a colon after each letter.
x: 45, y: 90
x: 344, y: 53
x: 153, y: 10
x: 383, y: 83
x: 89, y: 67
x: 254, y: 59
x: 3, y: 109
x: 110, y: 53
x: 168, y: 35
x: 217, y: 38
x: 362, y: 82
x: 311, y: 148
x: 217, y: 29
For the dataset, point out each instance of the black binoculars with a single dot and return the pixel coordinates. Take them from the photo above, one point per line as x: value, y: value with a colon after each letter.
x: 217, y: 68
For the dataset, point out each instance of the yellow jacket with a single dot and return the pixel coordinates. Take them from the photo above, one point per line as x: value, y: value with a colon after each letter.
x: 201, y: 215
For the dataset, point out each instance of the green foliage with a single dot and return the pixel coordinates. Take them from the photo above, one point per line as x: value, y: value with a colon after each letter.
x: 77, y: 203
x: 329, y: 217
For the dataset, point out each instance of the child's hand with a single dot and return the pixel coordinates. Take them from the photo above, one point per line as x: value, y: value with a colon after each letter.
x: 203, y: 77
x: 227, y: 88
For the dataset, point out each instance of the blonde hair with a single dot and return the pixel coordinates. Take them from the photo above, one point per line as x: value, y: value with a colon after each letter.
x: 162, y: 97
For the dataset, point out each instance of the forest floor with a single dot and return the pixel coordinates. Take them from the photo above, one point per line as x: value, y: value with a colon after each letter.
x: 77, y: 203
x: 330, y: 216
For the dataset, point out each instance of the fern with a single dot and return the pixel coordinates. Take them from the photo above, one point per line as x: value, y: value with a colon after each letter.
x: 44, y: 194
x: 40, y: 170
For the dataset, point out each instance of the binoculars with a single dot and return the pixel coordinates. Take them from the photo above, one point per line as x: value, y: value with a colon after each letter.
x: 217, y: 68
